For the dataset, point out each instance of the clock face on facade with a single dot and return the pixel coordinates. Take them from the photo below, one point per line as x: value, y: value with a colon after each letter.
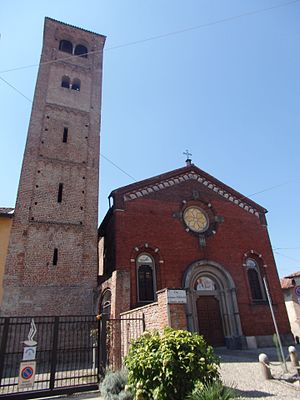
x: 195, y: 219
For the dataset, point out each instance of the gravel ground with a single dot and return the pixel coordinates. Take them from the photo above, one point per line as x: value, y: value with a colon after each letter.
x: 242, y: 370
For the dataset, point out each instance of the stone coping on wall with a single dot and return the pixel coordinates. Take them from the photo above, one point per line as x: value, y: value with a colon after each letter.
x: 138, y: 309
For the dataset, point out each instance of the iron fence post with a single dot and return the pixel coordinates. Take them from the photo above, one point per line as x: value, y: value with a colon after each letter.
x: 144, y: 323
x: 54, y: 352
x: 98, y: 359
x: 102, y: 344
x: 3, y: 345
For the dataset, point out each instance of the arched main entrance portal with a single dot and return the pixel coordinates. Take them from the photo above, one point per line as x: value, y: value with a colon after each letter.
x: 212, y: 308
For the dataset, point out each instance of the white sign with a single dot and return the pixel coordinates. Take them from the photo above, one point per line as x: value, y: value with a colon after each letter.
x: 31, y: 334
x: 26, y: 374
x: 29, y: 353
x: 177, y: 296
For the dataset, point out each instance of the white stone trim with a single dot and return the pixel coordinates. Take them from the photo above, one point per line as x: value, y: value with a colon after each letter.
x: 141, y: 192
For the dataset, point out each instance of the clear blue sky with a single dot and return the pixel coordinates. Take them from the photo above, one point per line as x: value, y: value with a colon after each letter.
x: 227, y: 91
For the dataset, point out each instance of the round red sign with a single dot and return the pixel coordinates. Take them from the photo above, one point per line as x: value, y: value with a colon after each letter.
x: 297, y: 290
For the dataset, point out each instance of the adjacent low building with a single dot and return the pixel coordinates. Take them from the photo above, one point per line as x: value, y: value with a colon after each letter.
x: 6, y: 215
x: 291, y: 290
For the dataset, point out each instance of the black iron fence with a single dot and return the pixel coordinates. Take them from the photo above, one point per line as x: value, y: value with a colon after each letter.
x: 66, y: 360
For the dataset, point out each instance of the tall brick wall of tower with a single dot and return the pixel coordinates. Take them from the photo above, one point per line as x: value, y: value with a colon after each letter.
x: 33, y: 284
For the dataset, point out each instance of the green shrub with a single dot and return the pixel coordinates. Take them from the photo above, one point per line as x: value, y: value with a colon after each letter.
x: 212, y: 391
x: 166, y: 367
x: 113, y: 386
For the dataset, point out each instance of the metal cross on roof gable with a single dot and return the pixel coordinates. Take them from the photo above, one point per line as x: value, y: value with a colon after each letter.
x: 188, y: 159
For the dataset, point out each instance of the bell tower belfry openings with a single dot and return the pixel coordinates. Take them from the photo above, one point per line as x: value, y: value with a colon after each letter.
x: 51, y: 266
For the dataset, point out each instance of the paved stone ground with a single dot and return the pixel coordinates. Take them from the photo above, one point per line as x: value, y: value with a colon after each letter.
x: 241, y: 369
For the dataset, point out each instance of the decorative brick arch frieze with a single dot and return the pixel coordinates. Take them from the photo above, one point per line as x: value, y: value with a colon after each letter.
x: 226, y: 294
x: 187, y: 176
x: 256, y: 255
x: 68, y: 110
x: 153, y: 250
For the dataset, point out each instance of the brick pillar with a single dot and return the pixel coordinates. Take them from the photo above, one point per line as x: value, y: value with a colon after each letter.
x: 173, y: 315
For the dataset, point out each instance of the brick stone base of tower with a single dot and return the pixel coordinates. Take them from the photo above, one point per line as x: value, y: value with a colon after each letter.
x: 49, y: 301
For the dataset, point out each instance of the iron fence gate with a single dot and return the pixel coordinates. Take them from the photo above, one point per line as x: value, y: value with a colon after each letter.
x: 67, y: 355
x: 116, y: 334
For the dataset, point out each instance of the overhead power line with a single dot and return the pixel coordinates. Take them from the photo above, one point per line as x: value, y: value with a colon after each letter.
x: 227, y: 19
x: 130, y: 176
x: 102, y: 155
x: 115, y: 165
x: 290, y: 258
x: 204, y: 25
x: 164, y: 35
x: 17, y: 90
x: 286, y: 248
x: 267, y: 189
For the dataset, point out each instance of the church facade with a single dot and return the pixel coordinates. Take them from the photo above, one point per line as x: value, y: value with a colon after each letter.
x: 185, y: 250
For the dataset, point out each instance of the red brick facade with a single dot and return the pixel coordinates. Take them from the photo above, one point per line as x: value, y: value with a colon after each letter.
x: 61, y: 154
x: 147, y: 218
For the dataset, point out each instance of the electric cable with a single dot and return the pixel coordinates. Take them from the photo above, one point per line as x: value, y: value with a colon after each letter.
x: 130, y: 176
x: 17, y: 90
x: 290, y: 258
x: 119, y: 168
x: 249, y: 13
x: 102, y: 155
x: 286, y: 248
x: 161, y: 36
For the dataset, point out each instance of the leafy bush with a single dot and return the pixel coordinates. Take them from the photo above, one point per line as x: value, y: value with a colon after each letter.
x: 166, y: 367
x: 212, y: 391
x: 113, y: 386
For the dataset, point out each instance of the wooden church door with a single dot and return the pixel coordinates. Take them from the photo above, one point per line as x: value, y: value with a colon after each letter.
x: 209, y: 320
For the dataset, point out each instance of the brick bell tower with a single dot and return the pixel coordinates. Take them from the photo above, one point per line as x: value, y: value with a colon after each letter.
x: 51, y: 266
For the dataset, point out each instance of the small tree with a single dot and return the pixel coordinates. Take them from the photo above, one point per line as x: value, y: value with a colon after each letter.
x: 167, y: 367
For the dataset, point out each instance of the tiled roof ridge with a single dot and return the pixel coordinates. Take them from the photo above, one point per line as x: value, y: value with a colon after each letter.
x: 73, y: 26
x: 292, y: 275
x: 156, y: 183
x: 6, y: 210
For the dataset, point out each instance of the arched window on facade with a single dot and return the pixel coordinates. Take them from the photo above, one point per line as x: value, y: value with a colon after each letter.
x: 255, y: 280
x: 66, y: 46
x: 106, y: 303
x: 81, y: 50
x: 76, y: 84
x: 146, y: 283
x: 65, y: 82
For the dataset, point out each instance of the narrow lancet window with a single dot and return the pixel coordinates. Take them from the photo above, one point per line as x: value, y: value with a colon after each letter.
x: 55, y: 256
x: 65, y: 135
x: 60, y: 191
